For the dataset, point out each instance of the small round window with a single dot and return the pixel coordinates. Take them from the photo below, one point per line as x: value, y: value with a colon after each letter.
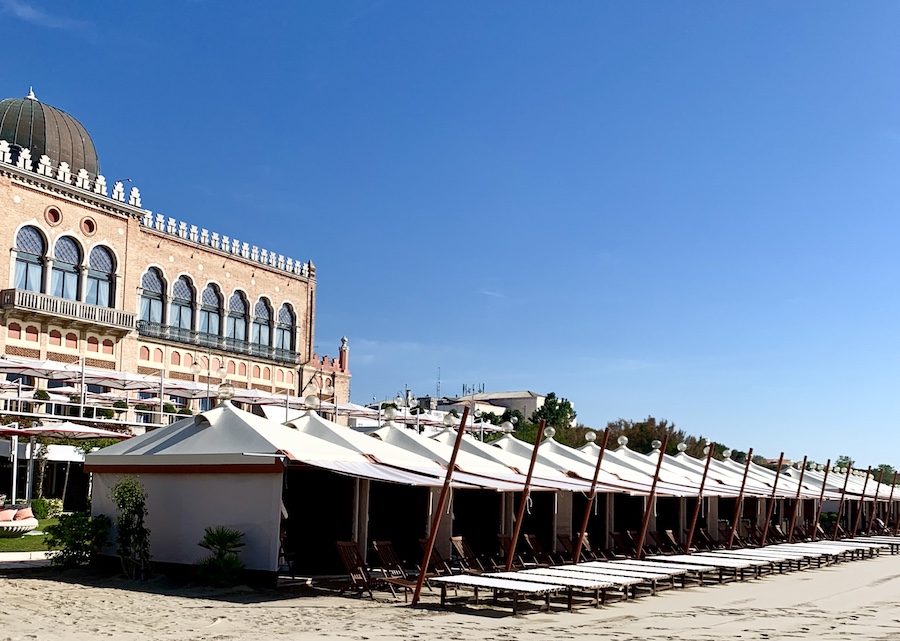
x: 88, y: 226
x: 53, y: 216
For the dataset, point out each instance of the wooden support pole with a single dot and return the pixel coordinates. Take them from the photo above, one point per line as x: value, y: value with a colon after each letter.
x: 442, y: 501
x: 862, y: 498
x: 651, y: 500
x: 771, y: 505
x: 576, y: 555
x: 690, y: 536
x: 517, y: 527
x: 815, y: 524
x: 796, y: 503
x: 837, y: 520
x: 739, y: 503
x: 890, y: 503
x: 874, y: 503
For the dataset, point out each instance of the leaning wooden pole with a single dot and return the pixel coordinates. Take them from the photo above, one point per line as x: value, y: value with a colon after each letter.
x: 837, y: 520
x: 874, y: 503
x: 890, y: 503
x: 771, y: 505
x: 442, y: 501
x: 576, y: 555
x: 796, y: 503
x: 813, y: 529
x: 739, y: 503
x: 651, y: 500
x: 859, y: 509
x: 517, y: 528
x: 690, y: 536
x: 897, y: 522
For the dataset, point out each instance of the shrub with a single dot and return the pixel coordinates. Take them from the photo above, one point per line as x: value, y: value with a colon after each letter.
x: 168, y: 408
x: 132, y: 536
x: 104, y: 412
x: 46, y: 508
x: 185, y: 411
x: 77, y: 538
x: 224, y: 566
x: 41, y: 395
x: 143, y: 407
x: 120, y: 405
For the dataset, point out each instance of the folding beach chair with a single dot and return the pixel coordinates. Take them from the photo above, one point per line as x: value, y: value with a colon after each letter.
x: 359, y: 576
x: 541, y: 556
x: 393, y: 568
x: 437, y: 564
x: 624, y: 544
x: 568, y: 546
x: 663, y: 543
x: 470, y: 562
x: 505, y: 541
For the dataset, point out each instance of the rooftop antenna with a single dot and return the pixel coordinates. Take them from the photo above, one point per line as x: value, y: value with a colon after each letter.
x: 438, y: 389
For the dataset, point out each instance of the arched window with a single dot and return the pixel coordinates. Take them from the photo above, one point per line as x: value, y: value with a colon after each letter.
x: 30, y: 249
x: 181, y: 311
x: 152, y: 296
x: 260, y: 333
x: 66, y: 262
x: 210, y: 311
x: 101, y: 268
x: 236, y: 323
x: 285, y: 331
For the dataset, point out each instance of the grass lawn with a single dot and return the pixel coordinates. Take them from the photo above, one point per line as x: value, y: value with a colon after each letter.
x: 29, y: 542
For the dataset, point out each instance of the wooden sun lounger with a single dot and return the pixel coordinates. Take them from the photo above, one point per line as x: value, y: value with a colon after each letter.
x: 669, y: 575
x: 597, y: 588
x: 696, y: 572
x: 738, y: 567
x: 775, y: 560
x: 567, y: 571
x: 515, y: 589
x: 631, y: 579
x: 892, y: 542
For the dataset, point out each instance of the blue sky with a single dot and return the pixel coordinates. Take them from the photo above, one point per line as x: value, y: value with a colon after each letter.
x: 678, y: 209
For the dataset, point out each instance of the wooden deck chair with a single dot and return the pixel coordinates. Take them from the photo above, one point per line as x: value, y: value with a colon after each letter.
x: 568, y: 547
x: 466, y: 557
x: 541, y: 556
x: 355, y: 567
x: 395, y: 575
x: 437, y: 564
x: 505, y: 541
x: 624, y: 544
x: 662, y: 543
x: 360, y: 577
x: 737, y: 541
x: 707, y: 539
x: 649, y: 546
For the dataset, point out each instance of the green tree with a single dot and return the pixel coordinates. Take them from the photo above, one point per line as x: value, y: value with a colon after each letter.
x: 557, y: 412
x: 889, y: 470
x: 132, y: 536
x: 844, y: 461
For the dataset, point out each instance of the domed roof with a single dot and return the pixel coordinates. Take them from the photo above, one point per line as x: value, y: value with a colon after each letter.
x: 47, y: 130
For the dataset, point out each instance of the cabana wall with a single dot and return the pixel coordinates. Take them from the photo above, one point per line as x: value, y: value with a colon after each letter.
x: 180, y: 506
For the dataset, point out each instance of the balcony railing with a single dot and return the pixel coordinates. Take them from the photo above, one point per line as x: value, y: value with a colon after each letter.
x: 64, y: 308
x: 212, y: 341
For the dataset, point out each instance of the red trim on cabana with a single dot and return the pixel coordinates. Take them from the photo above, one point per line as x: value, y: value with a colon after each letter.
x: 275, y: 467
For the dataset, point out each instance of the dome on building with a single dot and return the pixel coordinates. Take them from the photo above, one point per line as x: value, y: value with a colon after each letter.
x: 30, y: 124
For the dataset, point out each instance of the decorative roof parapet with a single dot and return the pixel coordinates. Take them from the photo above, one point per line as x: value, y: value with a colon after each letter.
x: 226, y: 244
x: 82, y: 180
x: 64, y: 174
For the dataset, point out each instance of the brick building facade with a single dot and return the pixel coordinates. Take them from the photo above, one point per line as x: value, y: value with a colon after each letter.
x: 93, y: 275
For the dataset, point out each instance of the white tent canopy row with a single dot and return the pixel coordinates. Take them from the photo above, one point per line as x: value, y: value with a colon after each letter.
x: 226, y: 435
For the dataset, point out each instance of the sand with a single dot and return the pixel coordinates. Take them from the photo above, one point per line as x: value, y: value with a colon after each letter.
x: 856, y: 600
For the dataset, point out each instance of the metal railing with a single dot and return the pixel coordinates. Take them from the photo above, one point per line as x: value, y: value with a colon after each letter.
x: 64, y: 308
x: 233, y: 345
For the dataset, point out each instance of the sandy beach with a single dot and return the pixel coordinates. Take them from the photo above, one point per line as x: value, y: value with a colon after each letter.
x: 857, y: 600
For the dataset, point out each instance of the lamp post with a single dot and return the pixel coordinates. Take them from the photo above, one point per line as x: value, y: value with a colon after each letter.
x: 221, y: 373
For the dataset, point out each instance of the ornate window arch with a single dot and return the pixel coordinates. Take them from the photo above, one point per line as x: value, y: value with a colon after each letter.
x: 100, y: 277
x: 236, y: 321
x: 285, y: 330
x: 30, y: 251
x: 66, y: 266
x: 260, y: 330
x: 210, y: 311
x: 152, y: 297
x: 181, y: 309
